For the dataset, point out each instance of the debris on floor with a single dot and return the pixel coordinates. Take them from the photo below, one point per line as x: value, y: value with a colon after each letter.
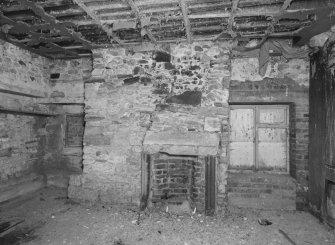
x: 287, y: 237
x: 104, y: 224
x: 264, y: 222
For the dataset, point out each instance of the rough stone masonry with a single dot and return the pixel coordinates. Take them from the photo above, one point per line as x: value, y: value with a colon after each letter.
x: 178, y: 93
x: 33, y: 110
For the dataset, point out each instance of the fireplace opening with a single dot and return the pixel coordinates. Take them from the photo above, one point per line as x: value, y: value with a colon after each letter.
x: 330, y: 202
x: 174, y: 179
x: 183, y: 182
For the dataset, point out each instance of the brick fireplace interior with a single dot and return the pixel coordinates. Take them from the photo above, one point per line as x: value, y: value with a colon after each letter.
x: 175, y: 179
x: 179, y: 180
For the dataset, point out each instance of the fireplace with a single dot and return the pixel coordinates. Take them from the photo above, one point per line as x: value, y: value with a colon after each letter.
x: 176, y: 180
x: 178, y: 168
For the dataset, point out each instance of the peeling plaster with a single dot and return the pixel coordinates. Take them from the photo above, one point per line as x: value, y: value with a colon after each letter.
x: 246, y: 69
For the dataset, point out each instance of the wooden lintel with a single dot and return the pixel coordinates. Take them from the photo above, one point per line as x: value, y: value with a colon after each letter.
x: 98, y: 21
x: 183, y: 6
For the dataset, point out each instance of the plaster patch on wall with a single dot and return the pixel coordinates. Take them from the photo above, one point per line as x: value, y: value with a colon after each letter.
x: 246, y: 69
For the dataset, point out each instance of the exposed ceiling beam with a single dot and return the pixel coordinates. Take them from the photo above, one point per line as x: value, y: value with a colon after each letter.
x: 230, y: 21
x: 96, y: 19
x: 240, y: 13
x: 39, y: 11
x: 73, y: 47
x: 136, y: 11
x: 184, y: 9
x: 286, y: 4
x: 325, y: 19
x: 210, y: 38
x: 4, y: 37
x: 261, y: 11
x: 36, y: 38
x: 65, y: 51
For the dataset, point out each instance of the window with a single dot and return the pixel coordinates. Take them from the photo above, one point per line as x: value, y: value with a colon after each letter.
x: 74, y: 130
x: 259, y: 137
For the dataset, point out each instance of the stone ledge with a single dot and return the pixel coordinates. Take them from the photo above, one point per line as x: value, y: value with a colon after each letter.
x: 187, y: 143
x: 181, y: 138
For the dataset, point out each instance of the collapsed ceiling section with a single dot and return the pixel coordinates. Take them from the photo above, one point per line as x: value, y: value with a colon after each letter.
x: 72, y: 28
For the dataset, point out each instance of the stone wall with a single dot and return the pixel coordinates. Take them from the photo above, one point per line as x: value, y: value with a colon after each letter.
x: 23, y: 77
x: 178, y: 90
x: 284, y: 82
x: 174, y: 100
x: 66, y: 79
x: 22, y: 71
x: 32, y: 120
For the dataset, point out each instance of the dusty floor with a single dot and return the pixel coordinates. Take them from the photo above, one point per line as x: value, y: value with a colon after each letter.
x: 50, y: 218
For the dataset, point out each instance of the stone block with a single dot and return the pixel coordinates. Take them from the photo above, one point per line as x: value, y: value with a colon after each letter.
x: 75, y: 179
x: 186, y: 98
x: 97, y: 140
x: 204, y: 150
x: 6, y: 152
x: 212, y: 124
x: 181, y: 139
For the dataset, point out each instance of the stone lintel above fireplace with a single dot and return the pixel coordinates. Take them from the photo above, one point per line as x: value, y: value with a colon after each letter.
x: 182, y: 143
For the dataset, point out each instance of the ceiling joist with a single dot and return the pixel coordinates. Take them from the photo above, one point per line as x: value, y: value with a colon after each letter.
x: 98, y: 21
x: 183, y: 6
x: 145, y: 29
x: 230, y: 21
x: 71, y: 28
x: 39, y: 11
x: 286, y: 4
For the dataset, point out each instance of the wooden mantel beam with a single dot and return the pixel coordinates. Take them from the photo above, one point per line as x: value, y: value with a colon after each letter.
x: 96, y: 19
x: 187, y: 24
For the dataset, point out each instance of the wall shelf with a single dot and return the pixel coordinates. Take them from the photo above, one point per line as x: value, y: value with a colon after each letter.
x: 26, y: 112
x: 61, y: 101
x: 5, y: 91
